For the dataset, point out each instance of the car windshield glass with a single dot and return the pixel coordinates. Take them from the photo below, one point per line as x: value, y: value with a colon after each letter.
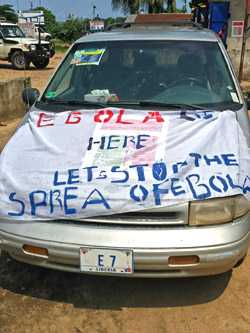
x: 12, y: 31
x: 161, y: 72
x: 41, y: 29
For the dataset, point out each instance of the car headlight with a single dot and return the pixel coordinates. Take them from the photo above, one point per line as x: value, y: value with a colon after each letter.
x: 218, y: 211
x: 32, y: 47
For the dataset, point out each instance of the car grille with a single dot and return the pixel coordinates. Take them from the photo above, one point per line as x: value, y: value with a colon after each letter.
x: 175, y: 215
x: 43, y: 47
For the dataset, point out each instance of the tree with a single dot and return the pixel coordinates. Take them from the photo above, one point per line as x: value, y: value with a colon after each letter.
x: 171, y: 6
x: 154, y: 6
x: 110, y: 21
x: 157, y: 6
x: 49, y: 18
x: 72, y: 29
x: 128, y: 6
x: 8, y: 12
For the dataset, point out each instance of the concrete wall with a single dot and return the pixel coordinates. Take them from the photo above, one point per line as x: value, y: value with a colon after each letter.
x: 11, y: 104
x: 237, y: 10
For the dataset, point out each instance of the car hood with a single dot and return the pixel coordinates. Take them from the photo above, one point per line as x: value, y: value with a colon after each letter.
x: 26, y: 40
x: 91, y: 162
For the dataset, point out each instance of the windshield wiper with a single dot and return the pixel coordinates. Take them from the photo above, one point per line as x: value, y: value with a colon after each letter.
x: 74, y: 102
x: 123, y: 102
x: 147, y: 103
x: 181, y: 106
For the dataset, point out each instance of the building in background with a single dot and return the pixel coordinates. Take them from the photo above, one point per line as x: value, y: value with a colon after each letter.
x: 31, y: 16
x: 235, y: 25
x: 32, y: 23
x: 230, y: 20
x: 96, y: 25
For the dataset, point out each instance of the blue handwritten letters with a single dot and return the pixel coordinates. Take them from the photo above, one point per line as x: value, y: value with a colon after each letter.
x: 143, y: 182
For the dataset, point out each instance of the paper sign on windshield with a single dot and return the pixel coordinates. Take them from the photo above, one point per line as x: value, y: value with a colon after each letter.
x: 88, y: 57
x: 99, y: 162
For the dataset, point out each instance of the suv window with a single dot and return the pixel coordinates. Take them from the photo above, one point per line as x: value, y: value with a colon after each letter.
x: 11, y: 31
x: 187, y: 72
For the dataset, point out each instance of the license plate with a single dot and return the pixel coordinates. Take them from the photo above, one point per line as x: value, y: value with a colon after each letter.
x: 98, y: 260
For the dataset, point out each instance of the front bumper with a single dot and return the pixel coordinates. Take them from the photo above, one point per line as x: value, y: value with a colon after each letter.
x: 218, y: 247
x: 44, y: 53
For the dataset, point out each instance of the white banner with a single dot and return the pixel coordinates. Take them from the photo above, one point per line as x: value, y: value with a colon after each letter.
x: 85, y: 163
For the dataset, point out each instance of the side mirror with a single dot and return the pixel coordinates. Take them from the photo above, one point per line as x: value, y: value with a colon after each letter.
x: 30, y: 95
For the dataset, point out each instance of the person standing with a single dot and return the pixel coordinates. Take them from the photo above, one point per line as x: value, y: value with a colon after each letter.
x: 200, y: 11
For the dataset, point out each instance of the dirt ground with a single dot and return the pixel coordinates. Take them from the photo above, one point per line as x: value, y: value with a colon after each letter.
x: 36, y: 300
x: 38, y: 80
x: 38, y: 77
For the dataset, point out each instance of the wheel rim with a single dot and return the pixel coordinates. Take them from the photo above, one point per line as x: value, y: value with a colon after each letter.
x: 20, y: 60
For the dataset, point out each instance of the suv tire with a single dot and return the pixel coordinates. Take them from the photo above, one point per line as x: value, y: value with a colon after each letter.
x: 40, y: 63
x: 19, y: 60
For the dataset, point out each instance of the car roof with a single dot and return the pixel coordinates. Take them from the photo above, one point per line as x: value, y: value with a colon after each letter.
x: 152, y: 33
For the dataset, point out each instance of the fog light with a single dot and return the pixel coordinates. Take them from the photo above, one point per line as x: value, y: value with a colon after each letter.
x: 183, y: 260
x: 32, y: 47
x: 36, y: 251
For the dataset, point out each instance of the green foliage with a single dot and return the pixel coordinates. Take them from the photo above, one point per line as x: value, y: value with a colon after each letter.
x: 72, y: 29
x: 128, y: 6
x: 60, y: 46
x: 171, y: 6
x: 112, y: 21
x: 154, y: 6
x: 8, y: 12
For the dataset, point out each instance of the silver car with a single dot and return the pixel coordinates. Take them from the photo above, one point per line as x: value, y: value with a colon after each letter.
x: 189, y: 239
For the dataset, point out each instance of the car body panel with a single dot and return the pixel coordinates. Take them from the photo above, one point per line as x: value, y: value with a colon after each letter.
x: 219, y: 248
x: 152, y: 32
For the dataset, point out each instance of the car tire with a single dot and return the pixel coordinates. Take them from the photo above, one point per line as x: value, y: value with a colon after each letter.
x: 41, y: 63
x: 240, y: 262
x: 19, y: 60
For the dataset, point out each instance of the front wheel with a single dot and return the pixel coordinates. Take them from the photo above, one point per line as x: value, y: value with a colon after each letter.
x: 19, y: 60
x: 41, y: 63
x: 240, y: 262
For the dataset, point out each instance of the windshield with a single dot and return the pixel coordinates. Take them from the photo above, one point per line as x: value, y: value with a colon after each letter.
x: 171, y: 72
x: 12, y: 31
x: 41, y: 29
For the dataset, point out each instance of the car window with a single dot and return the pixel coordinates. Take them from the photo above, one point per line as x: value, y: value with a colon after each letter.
x: 12, y: 31
x: 188, y: 72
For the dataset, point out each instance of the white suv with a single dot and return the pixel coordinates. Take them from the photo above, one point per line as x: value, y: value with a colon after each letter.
x: 20, y: 50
